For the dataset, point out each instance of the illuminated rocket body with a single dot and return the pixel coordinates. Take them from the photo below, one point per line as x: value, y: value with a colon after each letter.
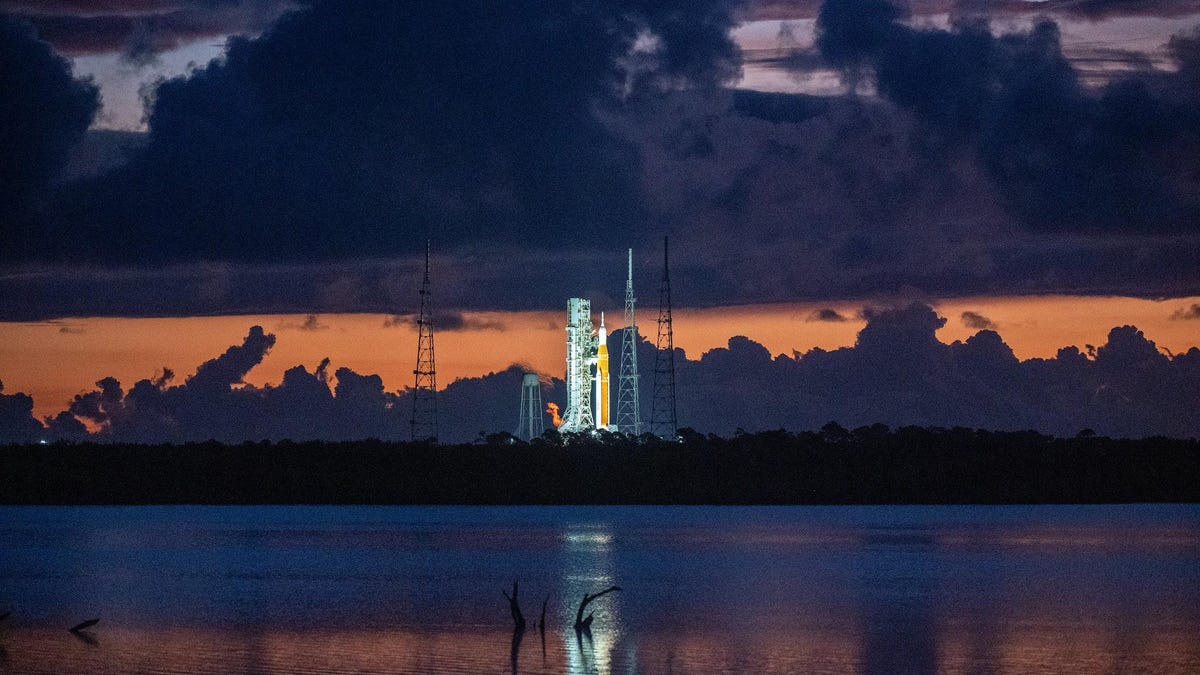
x: 602, y: 400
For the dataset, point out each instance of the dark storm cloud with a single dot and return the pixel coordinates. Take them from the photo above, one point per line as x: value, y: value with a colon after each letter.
x: 897, y: 373
x: 445, y: 320
x: 463, y: 280
x: 826, y: 314
x: 43, y: 113
x: 17, y: 423
x: 1062, y: 157
x: 101, y: 151
x: 832, y: 200
x: 310, y: 323
x: 102, y: 7
x: 1188, y: 314
x: 983, y: 165
x: 1086, y: 9
x: 780, y: 108
x: 983, y: 153
x: 1185, y: 49
x: 1104, y: 9
x: 357, y: 129
x: 976, y: 321
x: 302, y: 173
x: 141, y: 30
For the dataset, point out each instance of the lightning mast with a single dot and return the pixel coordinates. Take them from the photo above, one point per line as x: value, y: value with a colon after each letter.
x: 663, y: 422
x: 424, y: 413
x: 629, y: 414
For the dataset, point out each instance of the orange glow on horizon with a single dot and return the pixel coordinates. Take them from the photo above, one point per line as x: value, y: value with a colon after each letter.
x: 53, y: 361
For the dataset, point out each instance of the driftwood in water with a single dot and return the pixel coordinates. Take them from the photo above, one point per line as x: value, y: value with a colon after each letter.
x: 4, y: 615
x: 86, y: 624
x: 86, y: 637
x: 582, y: 624
x: 515, y: 608
x: 81, y: 633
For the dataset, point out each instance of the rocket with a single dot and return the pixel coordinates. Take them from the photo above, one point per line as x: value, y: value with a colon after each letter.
x: 602, y: 403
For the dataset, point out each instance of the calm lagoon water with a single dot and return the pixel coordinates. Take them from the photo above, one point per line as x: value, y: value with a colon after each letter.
x: 1104, y: 589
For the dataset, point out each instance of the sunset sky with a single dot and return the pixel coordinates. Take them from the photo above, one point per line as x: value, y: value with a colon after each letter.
x: 176, y: 171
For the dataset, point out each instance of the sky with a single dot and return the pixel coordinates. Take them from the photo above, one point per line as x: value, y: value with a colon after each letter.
x: 178, y: 171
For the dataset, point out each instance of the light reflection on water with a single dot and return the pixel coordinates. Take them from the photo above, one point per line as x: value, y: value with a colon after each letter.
x: 587, y: 548
x: 737, y: 590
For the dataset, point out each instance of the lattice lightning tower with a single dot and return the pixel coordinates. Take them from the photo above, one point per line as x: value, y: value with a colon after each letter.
x: 424, y: 413
x: 663, y: 422
x: 629, y: 414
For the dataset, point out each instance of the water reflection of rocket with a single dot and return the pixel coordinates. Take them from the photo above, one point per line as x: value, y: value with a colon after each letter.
x: 602, y: 404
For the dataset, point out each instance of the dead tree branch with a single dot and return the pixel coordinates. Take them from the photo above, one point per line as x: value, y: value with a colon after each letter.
x: 582, y: 624
x: 515, y: 608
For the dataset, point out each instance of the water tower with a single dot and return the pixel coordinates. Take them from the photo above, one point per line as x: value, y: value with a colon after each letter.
x: 530, y: 424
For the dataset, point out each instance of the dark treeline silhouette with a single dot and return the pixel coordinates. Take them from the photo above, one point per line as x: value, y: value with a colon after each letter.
x: 832, y: 466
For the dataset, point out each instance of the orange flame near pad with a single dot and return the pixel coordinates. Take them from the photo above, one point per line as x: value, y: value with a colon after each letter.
x: 555, y: 418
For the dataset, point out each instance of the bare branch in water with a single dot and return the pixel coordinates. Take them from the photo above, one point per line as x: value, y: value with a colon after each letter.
x: 582, y: 624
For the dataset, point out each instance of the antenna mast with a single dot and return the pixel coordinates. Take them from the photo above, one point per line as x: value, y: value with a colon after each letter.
x: 629, y: 413
x: 663, y: 422
x: 424, y: 414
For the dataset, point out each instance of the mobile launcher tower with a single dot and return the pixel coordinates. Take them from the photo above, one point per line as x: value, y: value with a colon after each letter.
x: 587, y: 370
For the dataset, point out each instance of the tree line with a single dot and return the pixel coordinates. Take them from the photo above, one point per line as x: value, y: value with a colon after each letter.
x: 867, y: 465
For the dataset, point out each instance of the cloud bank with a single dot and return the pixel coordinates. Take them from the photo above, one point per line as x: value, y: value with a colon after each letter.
x: 897, y: 373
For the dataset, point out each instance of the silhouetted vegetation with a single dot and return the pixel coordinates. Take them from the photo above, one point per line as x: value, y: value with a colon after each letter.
x: 867, y: 465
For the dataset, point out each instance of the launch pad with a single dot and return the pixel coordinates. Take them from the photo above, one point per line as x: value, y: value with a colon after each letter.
x: 589, y: 405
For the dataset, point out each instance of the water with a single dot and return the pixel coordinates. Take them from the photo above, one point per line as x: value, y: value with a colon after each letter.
x: 1107, y: 589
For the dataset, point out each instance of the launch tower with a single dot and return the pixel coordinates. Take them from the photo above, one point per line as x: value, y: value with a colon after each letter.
x: 580, y: 356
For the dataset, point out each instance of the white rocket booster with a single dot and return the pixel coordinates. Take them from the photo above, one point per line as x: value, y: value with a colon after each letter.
x: 602, y: 402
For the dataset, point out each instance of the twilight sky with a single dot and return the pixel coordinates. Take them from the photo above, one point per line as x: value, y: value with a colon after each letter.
x: 203, y: 166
